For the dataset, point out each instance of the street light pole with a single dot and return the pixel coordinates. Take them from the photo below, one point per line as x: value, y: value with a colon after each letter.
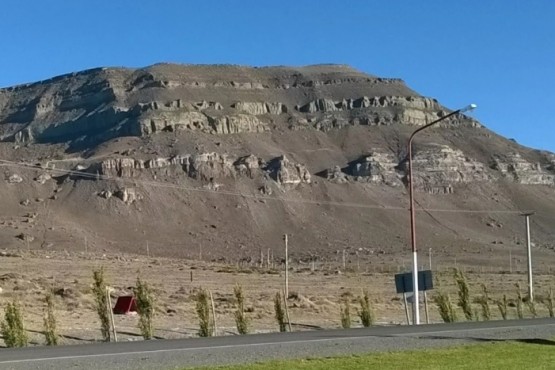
x: 416, y: 305
x: 529, y: 249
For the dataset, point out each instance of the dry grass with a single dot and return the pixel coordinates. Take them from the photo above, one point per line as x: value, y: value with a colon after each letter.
x: 316, y: 297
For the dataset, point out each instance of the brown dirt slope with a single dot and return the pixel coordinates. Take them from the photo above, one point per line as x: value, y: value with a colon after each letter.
x: 220, y: 161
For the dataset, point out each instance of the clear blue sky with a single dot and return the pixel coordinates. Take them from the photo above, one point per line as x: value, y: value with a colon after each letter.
x: 499, y: 54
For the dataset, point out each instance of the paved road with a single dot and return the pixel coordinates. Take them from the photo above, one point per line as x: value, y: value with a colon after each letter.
x: 171, y: 354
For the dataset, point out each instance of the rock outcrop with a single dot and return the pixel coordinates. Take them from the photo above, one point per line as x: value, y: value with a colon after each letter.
x: 210, y: 166
x: 237, y: 123
x: 259, y: 108
x: 118, y: 167
x: 204, y: 167
x: 438, y: 169
x: 378, y: 168
x: 329, y: 105
x: 288, y: 173
x: 336, y: 175
x: 91, y: 107
x: 517, y: 169
x: 128, y: 195
x: 248, y: 165
x: 159, y: 138
x: 14, y: 179
x: 174, y: 121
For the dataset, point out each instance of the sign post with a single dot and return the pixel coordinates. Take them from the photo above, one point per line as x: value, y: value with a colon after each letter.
x: 403, y: 284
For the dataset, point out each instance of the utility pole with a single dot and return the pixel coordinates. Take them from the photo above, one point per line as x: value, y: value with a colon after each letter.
x: 528, y: 245
x: 510, y: 262
x: 430, y: 258
x: 344, y: 264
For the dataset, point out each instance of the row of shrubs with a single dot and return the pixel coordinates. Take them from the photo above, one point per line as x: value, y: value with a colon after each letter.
x: 15, y: 335
x: 464, y: 301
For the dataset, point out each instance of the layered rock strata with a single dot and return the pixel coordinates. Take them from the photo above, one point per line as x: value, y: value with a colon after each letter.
x: 206, y: 167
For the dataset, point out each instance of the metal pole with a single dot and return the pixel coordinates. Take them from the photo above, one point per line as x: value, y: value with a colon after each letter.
x: 344, y: 259
x: 286, y: 268
x: 528, y: 245
x: 215, y: 328
x: 406, y: 307
x: 416, y: 308
x: 430, y: 257
x: 111, y: 311
x: 510, y: 262
x: 426, y: 308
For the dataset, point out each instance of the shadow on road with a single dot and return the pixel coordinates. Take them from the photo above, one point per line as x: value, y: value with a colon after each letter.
x: 542, y: 341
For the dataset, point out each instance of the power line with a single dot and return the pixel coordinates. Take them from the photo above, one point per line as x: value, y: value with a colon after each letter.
x: 159, y: 184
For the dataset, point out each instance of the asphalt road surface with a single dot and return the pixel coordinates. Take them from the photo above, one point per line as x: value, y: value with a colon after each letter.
x: 181, y: 353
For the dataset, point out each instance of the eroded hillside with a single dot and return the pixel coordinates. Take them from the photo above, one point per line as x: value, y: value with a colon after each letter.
x: 218, y: 162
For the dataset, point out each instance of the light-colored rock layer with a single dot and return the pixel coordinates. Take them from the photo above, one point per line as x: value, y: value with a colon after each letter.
x: 436, y: 170
x: 288, y: 173
x: 259, y: 108
x: 206, y: 167
x: 516, y: 168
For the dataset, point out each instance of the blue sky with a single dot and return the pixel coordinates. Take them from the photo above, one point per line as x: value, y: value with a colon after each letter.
x: 498, y: 54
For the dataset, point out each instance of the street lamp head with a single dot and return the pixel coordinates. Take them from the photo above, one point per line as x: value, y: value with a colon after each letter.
x: 468, y: 108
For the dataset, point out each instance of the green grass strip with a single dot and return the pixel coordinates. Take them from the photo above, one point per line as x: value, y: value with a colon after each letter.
x: 496, y: 355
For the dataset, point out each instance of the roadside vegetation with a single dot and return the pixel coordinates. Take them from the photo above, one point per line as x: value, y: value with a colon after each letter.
x: 280, y: 312
x: 365, y: 312
x: 241, y: 319
x: 101, y: 302
x: 206, y: 326
x: 12, y: 329
x: 454, y: 298
x: 49, y: 321
x: 145, y: 308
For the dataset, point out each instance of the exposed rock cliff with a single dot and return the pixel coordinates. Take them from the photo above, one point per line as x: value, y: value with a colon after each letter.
x: 87, y: 108
x: 516, y: 168
x: 222, y: 159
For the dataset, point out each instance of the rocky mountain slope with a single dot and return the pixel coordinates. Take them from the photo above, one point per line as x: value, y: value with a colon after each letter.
x: 217, y: 162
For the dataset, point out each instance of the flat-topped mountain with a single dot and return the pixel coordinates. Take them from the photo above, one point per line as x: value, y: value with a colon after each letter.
x: 219, y: 161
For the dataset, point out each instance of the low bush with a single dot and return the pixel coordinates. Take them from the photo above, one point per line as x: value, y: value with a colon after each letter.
x: 144, y: 298
x: 12, y: 328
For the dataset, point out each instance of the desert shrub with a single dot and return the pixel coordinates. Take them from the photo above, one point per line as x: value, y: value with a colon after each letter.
x: 464, y: 294
x: 280, y: 312
x: 549, y: 302
x: 345, y: 310
x: 365, y: 313
x: 12, y: 327
x: 484, y: 303
x: 519, y: 301
x: 101, y: 302
x: 203, y: 313
x: 49, y: 321
x: 241, y: 319
x: 502, y: 305
x: 445, y: 307
x: 144, y: 297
